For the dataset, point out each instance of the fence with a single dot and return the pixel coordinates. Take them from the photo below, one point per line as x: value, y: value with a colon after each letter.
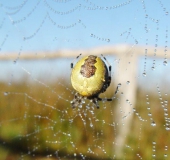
x: 109, y: 50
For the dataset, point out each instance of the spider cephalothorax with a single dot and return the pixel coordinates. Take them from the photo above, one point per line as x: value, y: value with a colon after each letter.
x: 90, y: 77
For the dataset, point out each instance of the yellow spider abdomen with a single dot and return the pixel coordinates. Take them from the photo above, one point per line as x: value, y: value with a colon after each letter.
x: 89, y: 76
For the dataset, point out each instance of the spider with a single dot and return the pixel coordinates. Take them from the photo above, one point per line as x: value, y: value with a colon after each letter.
x: 90, y: 77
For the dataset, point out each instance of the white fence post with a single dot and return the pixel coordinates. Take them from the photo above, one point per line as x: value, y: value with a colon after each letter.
x: 126, y: 74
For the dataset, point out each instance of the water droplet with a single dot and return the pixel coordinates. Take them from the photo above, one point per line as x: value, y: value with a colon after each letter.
x: 25, y: 115
x: 73, y: 145
x: 80, y: 105
x: 154, y: 142
x: 71, y: 120
x: 153, y: 155
x: 128, y: 82
x: 119, y: 84
x: 153, y: 124
x: 83, y: 101
x: 167, y: 128
x: 165, y: 63
x: 166, y: 109
x: 166, y: 114
x: 5, y: 93
x: 91, y: 125
x: 166, y: 148
x: 148, y: 108
x: 165, y: 155
x: 149, y: 114
x: 144, y: 74
x: 108, y: 40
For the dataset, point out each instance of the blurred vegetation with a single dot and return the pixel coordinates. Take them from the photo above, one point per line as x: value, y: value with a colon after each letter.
x: 36, y: 120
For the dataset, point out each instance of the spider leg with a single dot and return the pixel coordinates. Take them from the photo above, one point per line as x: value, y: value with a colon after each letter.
x: 76, y: 101
x: 71, y: 65
x: 104, y: 99
x: 109, y: 99
x: 110, y: 69
x: 95, y: 101
x: 117, y: 89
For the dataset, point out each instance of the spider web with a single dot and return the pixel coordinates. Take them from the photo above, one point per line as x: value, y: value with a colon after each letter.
x: 38, y: 42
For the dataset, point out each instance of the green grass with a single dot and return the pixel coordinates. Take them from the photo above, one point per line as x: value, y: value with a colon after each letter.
x: 60, y: 128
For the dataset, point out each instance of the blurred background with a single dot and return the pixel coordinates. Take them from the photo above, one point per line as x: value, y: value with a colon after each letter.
x: 38, y: 42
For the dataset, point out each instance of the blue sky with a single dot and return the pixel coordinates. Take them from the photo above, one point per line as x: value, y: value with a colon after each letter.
x: 81, y: 24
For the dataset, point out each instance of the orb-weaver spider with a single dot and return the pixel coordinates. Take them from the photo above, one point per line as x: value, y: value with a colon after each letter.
x: 90, y: 77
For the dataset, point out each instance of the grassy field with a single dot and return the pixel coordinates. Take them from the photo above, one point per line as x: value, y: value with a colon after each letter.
x: 36, y: 120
